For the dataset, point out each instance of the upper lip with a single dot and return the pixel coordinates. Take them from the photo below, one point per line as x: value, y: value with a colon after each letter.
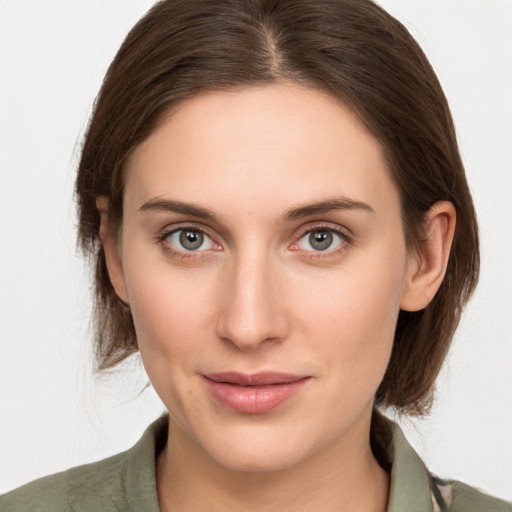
x: 254, y: 379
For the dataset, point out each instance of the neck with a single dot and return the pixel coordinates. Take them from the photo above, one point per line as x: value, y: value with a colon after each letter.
x: 342, y: 475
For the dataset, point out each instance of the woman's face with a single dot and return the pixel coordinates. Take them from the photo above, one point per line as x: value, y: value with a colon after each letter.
x: 264, y: 261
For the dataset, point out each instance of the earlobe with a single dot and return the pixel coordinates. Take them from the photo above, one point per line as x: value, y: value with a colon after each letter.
x: 426, y: 268
x: 111, y: 249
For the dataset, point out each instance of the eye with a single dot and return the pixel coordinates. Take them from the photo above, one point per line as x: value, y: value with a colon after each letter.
x: 189, y: 240
x: 320, y: 240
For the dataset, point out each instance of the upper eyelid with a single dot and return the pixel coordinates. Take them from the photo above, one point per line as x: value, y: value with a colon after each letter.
x: 169, y: 229
x: 328, y: 226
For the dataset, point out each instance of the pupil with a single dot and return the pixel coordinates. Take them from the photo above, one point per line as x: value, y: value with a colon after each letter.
x: 191, y: 240
x: 320, y: 240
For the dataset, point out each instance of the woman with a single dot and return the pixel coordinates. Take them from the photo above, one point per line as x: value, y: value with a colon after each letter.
x: 272, y: 195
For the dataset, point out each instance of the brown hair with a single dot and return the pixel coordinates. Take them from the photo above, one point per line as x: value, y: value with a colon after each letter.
x: 352, y: 49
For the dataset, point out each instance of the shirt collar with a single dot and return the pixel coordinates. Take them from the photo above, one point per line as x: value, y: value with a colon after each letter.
x: 410, y: 480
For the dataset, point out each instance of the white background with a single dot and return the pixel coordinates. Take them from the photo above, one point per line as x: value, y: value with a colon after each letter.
x: 53, y: 412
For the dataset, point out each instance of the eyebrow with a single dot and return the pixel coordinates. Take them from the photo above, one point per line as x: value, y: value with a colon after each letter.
x: 167, y: 205
x: 336, y: 203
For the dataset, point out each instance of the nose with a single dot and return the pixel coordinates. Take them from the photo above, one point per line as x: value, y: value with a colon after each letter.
x: 252, y: 308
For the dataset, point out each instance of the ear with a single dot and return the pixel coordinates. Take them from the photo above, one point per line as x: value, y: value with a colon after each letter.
x: 426, y: 268
x: 111, y: 250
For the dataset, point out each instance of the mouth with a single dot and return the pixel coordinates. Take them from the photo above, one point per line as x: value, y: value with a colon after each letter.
x: 256, y: 393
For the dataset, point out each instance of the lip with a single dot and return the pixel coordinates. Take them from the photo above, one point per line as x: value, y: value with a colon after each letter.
x: 255, y: 393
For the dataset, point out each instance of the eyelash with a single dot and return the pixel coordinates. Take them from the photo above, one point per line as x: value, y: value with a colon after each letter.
x: 183, y: 254
x: 345, y: 243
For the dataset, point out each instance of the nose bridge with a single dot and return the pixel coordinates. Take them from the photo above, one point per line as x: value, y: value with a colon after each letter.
x: 251, y: 313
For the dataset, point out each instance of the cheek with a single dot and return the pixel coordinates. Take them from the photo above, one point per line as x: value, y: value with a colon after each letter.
x: 170, y: 314
x: 354, y: 318
x: 170, y: 309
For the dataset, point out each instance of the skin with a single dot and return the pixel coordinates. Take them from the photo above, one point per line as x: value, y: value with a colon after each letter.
x: 259, y: 296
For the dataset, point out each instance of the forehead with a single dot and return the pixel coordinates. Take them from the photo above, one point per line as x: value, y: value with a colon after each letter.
x: 276, y: 143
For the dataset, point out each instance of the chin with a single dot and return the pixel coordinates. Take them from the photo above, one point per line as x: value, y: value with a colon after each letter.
x: 266, y: 447
x: 257, y: 459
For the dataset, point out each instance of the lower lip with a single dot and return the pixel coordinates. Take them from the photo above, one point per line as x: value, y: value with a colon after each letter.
x: 253, y: 399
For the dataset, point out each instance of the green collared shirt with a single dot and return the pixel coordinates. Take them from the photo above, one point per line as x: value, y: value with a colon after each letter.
x: 127, y: 483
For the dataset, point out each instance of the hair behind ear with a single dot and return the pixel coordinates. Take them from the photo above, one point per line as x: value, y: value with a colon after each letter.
x: 427, y: 322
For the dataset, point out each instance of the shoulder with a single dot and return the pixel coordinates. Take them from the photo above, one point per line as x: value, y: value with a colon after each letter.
x: 126, y: 481
x: 462, y: 498
x: 56, y: 493
x: 41, y: 495
x: 414, y: 488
